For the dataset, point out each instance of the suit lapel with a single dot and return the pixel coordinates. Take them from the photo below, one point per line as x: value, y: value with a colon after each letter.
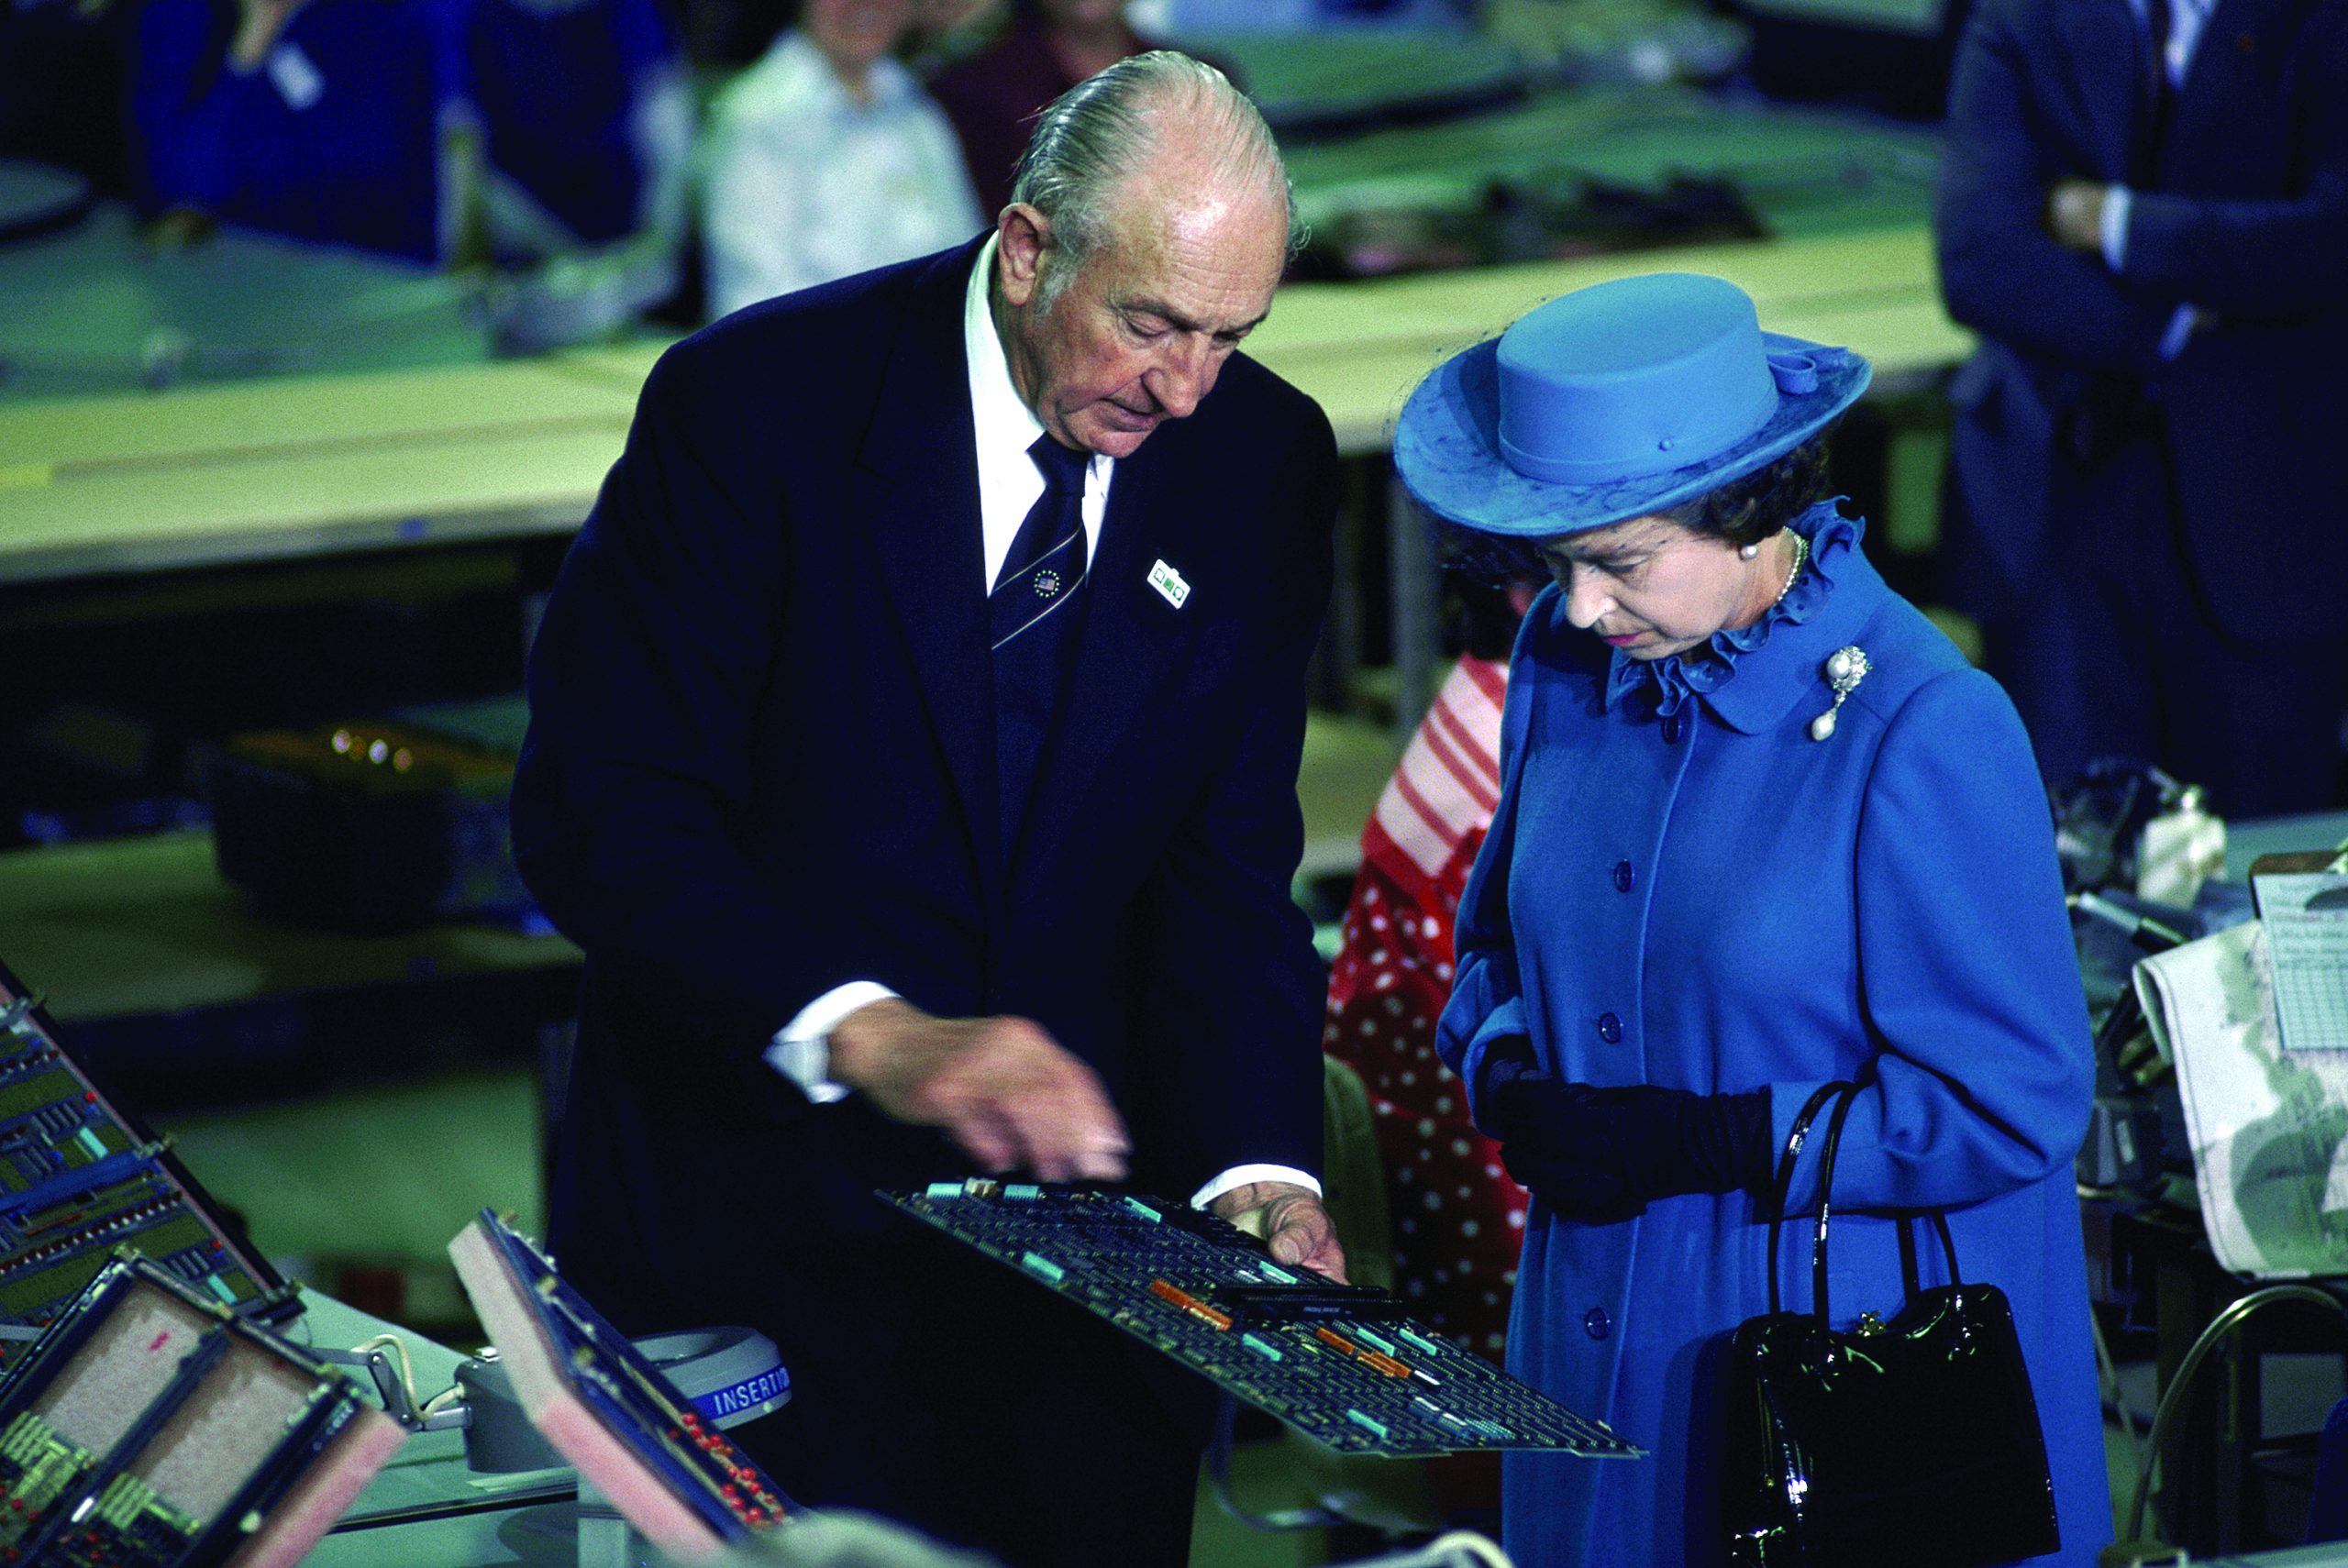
x: 914, y: 494
x: 1131, y: 639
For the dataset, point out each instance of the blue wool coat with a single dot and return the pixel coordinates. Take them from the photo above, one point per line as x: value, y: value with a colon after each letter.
x: 1682, y: 887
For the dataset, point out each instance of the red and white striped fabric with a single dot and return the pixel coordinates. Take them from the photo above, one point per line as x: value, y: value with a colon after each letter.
x: 1442, y: 794
x: 1459, y: 1218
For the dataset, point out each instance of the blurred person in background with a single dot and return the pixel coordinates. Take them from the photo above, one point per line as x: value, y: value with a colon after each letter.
x: 62, y: 75
x: 1459, y: 1218
x: 826, y: 159
x: 2143, y: 213
x: 368, y: 123
x: 995, y: 96
x: 453, y: 132
x: 944, y: 31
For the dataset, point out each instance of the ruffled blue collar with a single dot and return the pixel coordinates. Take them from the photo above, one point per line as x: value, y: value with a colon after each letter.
x: 1707, y: 667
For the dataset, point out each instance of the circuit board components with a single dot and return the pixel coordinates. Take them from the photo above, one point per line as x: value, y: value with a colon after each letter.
x: 151, y: 1427
x: 81, y: 1178
x: 1344, y: 1365
x: 607, y: 1409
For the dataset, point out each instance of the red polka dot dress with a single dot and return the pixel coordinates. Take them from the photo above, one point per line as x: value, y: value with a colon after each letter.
x: 1458, y: 1219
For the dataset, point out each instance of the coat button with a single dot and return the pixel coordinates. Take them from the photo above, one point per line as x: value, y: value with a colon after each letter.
x: 1624, y: 878
x: 1596, y: 1323
x: 1675, y: 729
x: 1610, y: 1029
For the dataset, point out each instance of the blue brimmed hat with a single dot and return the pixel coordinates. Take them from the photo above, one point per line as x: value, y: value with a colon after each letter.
x: 1613, y: 402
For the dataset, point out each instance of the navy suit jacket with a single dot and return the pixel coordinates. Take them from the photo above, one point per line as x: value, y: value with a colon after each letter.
x: 2241, y: 210
x: 761, y: 764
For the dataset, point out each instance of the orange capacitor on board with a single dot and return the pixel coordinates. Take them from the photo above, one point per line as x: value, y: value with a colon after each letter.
x: 1174, y: 1295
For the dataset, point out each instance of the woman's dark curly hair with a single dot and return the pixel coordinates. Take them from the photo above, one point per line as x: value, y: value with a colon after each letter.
x: 1751, y: 507
x: 1744, y: 511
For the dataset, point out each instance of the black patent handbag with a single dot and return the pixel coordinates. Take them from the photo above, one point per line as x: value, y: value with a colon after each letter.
x: 1913, y: 1442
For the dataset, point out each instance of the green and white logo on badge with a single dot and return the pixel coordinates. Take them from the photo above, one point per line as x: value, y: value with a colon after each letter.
x: 1169, y: 584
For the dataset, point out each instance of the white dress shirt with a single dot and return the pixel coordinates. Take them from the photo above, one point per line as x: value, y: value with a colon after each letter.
x: 1008, y: 484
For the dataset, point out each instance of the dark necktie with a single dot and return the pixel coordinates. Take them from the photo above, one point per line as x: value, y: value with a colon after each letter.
x: 1031, y: 616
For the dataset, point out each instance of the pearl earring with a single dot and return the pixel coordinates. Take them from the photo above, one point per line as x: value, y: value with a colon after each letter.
x: 1750, y: 552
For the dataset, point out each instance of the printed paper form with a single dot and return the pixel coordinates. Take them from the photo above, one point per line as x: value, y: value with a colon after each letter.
x: 2268, y: 1126
x: 2305, y: 916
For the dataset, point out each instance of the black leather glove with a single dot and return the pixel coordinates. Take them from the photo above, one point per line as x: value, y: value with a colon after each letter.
x: 1600, y: 1156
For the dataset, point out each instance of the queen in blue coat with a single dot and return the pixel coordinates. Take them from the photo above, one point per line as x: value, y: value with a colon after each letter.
x: 1761, y: 828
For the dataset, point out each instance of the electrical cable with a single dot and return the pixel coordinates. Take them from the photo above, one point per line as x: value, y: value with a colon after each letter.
x: 2232, y: 1318
x: 1454, y: 1549
x: 408, y: 1366
x: 1449, y: 1546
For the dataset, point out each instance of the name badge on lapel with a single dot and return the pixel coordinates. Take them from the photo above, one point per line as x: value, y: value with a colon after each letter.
x: 1169, y: 584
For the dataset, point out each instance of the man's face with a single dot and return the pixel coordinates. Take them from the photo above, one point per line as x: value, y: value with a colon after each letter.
x: 1139, y: 335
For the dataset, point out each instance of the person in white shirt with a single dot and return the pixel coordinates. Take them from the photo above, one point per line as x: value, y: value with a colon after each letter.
x: 826, y: 159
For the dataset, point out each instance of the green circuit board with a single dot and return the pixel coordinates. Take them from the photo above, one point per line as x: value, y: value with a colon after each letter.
x: 1345, y: 1367
x: 81, y: 1179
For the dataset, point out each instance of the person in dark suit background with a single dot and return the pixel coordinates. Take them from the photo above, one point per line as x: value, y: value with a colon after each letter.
x: 2144, y: 211
x: 439, y: 131
x: 876, y: 884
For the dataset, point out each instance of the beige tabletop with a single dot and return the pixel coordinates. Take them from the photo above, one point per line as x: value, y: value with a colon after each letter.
x: 314, y: 465
x: 300, y: 466
x: 123, y: 927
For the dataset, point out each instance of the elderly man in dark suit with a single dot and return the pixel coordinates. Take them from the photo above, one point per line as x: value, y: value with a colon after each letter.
x: 2144, y: 210
x: 913, y: 745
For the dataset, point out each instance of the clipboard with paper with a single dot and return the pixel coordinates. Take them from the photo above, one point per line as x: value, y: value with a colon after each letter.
x: 2245, y: 1016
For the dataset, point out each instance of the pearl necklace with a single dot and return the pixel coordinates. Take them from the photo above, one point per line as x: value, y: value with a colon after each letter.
x: 1801, y: 555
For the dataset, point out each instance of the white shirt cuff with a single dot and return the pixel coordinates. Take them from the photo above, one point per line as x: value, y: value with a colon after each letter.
x: 801, y: 1048
x: 1240, y: 1175
x: 2114, y: 227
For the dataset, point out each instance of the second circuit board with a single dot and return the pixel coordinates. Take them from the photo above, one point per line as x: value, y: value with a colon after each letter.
x: 80, y: 1179
x: 1345, y: 1366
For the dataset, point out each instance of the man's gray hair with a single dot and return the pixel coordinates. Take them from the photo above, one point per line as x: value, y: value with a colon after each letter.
x: 1104, y: 128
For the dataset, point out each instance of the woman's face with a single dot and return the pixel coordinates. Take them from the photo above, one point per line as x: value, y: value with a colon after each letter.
x: 1654, y: 587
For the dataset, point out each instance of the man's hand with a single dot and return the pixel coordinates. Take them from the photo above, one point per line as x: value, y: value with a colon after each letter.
x: 1291, y: 1221
x: 2075, y: 213
x: 1001, y: 1087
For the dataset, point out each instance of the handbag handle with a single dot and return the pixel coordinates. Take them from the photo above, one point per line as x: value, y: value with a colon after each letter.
x: 1796, y: 1135
x: 1843, y: 1093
